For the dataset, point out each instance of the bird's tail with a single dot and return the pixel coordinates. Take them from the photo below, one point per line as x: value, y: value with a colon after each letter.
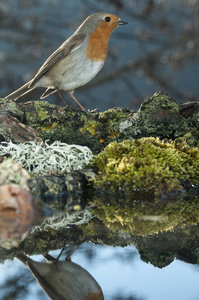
x: 23, y: 258
x: 20, y: 92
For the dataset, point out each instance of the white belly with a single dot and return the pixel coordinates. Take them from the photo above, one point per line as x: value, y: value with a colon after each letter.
x: 80, y: 76
x: 71, y: 73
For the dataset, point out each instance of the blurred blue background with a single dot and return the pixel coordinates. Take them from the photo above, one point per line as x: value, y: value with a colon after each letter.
x: 157, y: 50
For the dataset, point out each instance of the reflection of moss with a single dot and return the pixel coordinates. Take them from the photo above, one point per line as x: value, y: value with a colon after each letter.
x: 135, y: 177
x: 142, y: 217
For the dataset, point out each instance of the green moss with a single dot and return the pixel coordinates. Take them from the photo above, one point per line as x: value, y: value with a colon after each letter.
x: 90, y: 126
x: 146, y: 165
x: 11, y: 107
x: 50, y: 127
x: 110, y: 120
x: 37, y: 113
x: 28, y: 245
x: 43, y: 113
x: 158, y: 116
x: 104, y: 126
x: 137, y: 177
x: 41, y: 245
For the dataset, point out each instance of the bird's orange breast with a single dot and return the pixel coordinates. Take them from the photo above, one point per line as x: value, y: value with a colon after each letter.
x: 94, y: 296
x: 97, y: 46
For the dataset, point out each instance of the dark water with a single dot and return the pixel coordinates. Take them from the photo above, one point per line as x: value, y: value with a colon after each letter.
x: 121, y: 274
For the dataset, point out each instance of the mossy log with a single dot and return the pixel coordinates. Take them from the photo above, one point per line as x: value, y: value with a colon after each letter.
x: 159, y: 116
x: 127, y: 146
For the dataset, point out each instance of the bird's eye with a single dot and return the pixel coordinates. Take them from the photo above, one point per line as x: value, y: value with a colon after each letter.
x: 107, y: 19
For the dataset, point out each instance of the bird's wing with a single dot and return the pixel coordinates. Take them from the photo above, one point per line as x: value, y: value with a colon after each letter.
x: 43, y: 280
x: 64, y: 50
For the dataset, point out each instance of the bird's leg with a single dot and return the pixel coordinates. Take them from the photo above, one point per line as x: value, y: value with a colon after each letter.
x: 72, y: 96
x: 62, y: 250
x: 60, y: 95
x: 68, y: 257
x: 49, y: 257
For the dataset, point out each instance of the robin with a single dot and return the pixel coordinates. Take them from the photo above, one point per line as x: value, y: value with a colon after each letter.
x: 63, y: 280
x: 78, y: 60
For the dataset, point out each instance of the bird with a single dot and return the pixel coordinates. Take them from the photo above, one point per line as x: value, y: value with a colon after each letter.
x: 63, y: 280
x: 77, y: 61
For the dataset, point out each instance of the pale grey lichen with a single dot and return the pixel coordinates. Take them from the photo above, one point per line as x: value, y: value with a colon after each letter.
x: 44, y: 158
x: 65, y: 220
x: 124, y: 125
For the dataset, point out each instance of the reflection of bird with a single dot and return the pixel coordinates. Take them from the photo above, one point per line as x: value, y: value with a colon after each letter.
x: 77, y: 60
x: 63, y: 280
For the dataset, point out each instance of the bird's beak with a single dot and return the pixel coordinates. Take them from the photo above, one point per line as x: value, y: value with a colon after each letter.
x: 120, y: 22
